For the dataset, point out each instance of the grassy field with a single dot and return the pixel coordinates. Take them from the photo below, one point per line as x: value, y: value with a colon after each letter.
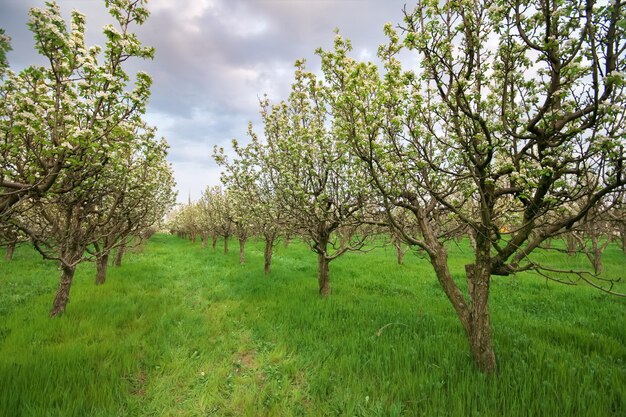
x: 184, y: 331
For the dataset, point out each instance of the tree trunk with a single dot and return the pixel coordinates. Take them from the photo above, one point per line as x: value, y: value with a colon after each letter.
x: 119, y: 255
x: 323, y: 276
x: 138, y: 245
x: 102, y: 263
x: 225, y: 245
x: 473, y: 316
x: 205, y: 239
x: 10, y: 251
x: 597, y: 254
x: 598, y: 267
x: 399, y: 252
x: 269, y: 246
x: 571, y: 244
x: 242, y: 251
x: 63, y: 293
x: 472, y: 238
x: 213, y: 242
x: 479, y: 334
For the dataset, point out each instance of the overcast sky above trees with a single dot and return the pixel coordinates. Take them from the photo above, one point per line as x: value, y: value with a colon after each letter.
x: 215, y: 58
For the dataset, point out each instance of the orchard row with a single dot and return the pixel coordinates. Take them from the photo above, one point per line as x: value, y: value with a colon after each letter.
x: 508, y: 128
x: 81, y: 173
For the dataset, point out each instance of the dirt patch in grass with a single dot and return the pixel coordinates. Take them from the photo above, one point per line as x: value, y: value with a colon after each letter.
x: 247, y: 359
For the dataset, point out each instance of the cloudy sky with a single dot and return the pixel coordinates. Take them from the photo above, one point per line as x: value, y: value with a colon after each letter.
x: 215, y: 58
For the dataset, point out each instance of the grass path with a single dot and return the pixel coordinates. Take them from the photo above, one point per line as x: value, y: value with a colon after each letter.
x: 180, y: 330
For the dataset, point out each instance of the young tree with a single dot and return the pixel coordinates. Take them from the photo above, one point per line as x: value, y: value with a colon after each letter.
x: 217, y: 205
x: 512, y: 119
x: 174, y: 221
x: 242, y: 220
x: 190, y: 220
x: 207, y: 219
x: 319, y: 187
x: 594, y: 235
x: 248, y: 182
x: 140, y: 192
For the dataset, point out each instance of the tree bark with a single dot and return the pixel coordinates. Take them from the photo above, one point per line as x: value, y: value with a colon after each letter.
x: 138, y: 245
x: 213, y: 241
x: 269, y: 246
x: 598, y: 267
x: 119, y: 255
x: 205, y: 239
x: 571, y: 244
x: 242, y: 251
x: 597, y: 250
x: 399, y: 252
x: 10, y: 251
x: 63, y: 293
x: 323, y: 276
x: 473, y: 316
x: 481, y: 345
x: 102, y: 264
x: 472, y: 238
x: 225, y: 245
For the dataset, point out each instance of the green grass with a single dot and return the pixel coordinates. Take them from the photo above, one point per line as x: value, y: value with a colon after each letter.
x: 184, y: 331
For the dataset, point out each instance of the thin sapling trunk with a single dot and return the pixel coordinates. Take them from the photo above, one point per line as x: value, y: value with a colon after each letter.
x: 242, y: 251
x: 267, y: 253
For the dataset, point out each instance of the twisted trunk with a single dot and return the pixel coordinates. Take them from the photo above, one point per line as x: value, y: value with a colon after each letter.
x: 479, y: 329
x: 63, y: 292
x: 474, y: 316
x: 323, y: 276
